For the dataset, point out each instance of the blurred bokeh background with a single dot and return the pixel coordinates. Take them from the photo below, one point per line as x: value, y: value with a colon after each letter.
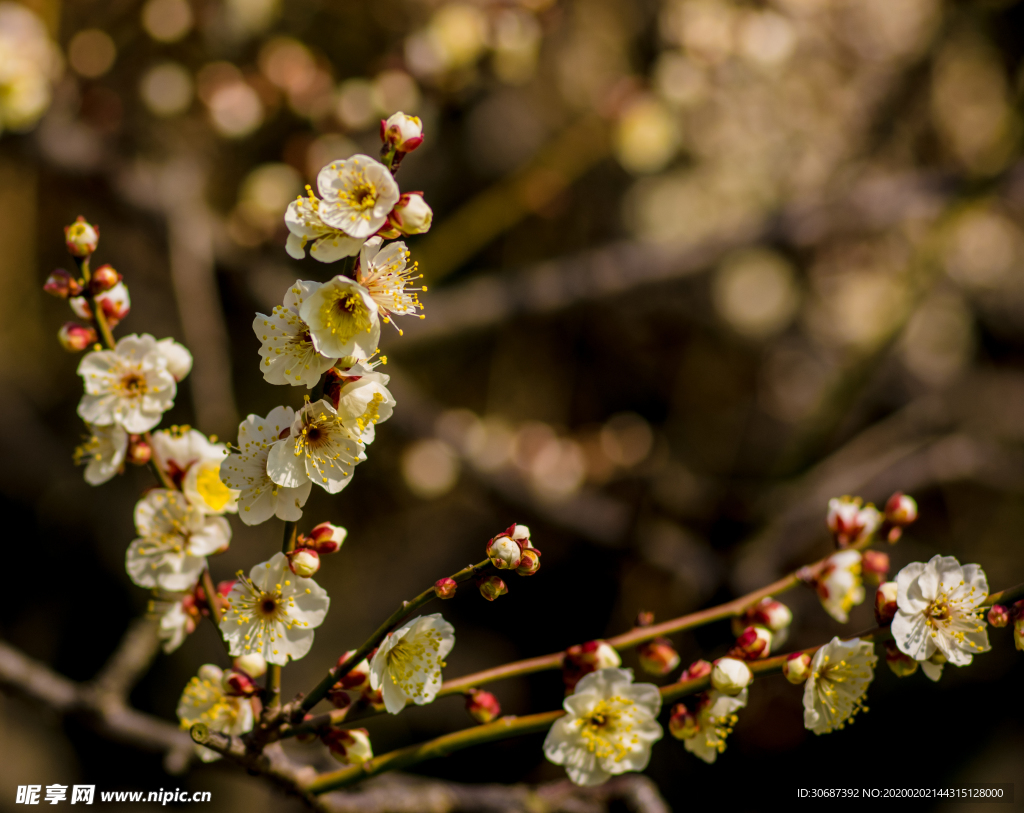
x: 696, y: 267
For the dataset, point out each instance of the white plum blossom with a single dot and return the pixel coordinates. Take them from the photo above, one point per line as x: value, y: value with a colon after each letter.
x: 716, y: 716
x: 320, y: 448
x: 363, y: 402
x: 408, y: 662
x: 834, y: 692
x: 129, y: 385
x: 175, y: 623
x: 938, y: 610
x: 329, y: 244
x: 273, y: 612
x: 342, y: 319
x: 839, y: 584
x: 260, y: 498
x: 385, y: 273
x: 204, y: 701
x: 179, y: 359
x: 103, y: 453
x: 358, y: 195
x: 609, y: 727
x: 192, y: 461
x: 174, y: 540
x: 287, y: 351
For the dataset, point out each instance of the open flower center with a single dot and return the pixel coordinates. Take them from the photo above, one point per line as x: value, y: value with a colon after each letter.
x: 362, y: 195
x: 346, y: 315
x: 133, y: 384
x: 606, y: 728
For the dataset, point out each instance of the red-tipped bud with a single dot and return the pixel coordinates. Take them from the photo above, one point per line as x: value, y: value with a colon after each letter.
x: 81, y: 237
x: 445, y: 588
x: 252, y: 664
x: 373, y: 698
x: 754, y: 642
x: 491, y: 587
x: 62, y: 285
x: 772, y: 614
x: 850, y: 520
x: 683, y: 723
x: 326, y: 538
x: 797, y: 667
x: 529, y: 563
x: 358, y: 677
x: 875, y: 566
x: 75, y: 338
x: 482, y: 706
x: 885, y: 603
x: 411, y: 215
x: 139, y: 452
x: 504, y: 552
x: 338, y: 697
x: 582, y: 659
x: 349, y: 746
x: 901, y: 664
x: 998, y: 615
x: 238, y: 684
x: 303, y: 562
x: 308, y: 736
x: 695, y: 671
x: 730, y: 675
x: 900, y: 510
x: 116, y: 304
x: 401, y: 132
x: 658, y: 657
x: 103, y: 279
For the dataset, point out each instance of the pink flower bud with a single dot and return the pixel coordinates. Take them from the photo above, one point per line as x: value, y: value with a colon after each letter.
x: 103, y: 279
x: 874, y: 566
x: 797, y: 667
x: 730, y: 676
x: 75, y: 338
x: 885, y: 603
x: 349, y: 746
x: 252, y: 664
x: 62, y: 285
x: 238, y: 684
x: 998, y: 615
x: 358, y: 677
x: 754, y: 642
x: 582, y: 659
x: 695, y: 671
x: 770, y: 613
x: 900, y: 510
x: 529, y: 563
x: 326, y: 538
x: 116, y: 304
x: 491, y: 587
x: 401, y: 132
x: 504, y: 553
x: 482, y: 706
x: 411, y: 215
x: 445, y: 588
x: 303, y: 562
x: 338, y: 697
x: 901, y: 664
x: 683, y: 723
x: 139, y: 452
x: 81, y: 237
x: 658, y: 657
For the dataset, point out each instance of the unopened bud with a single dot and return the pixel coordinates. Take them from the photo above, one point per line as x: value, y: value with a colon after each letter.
x: 338, y: 697
x: 482, y: 706
x: 373, y: 698
x: 754, y: 642
x: 875, y: 566
x: 358, y: 677
x: 901, y: 664
x: 797, y: 667
x: 139, y: 452
x: 582, y: 659
x: 401, y: 132
x: 529, y: 563
x: 658, y: 657
x: 326, y: 538
x: 303, y: 562
x: 1018, y: 634
x: 350, y: 746
x: 491, y: 587
x: 696, y: 670
x: 445, y: 588
x: 850, y: 520
x: 504, y: 553
x: 238, y: 684
x: 998, y: 615
x: 521, y: 534
x: 103, y: 279
x: 772, y: 614
x: 252, y: 664
x: 62, y: 285
x: 210, y: 672
x: 75, y: 338
x: 885, y: 603
x: 115, y: 303
x: 411, y: 215
x: 683, y: 723
x: 901, y: 509
x: 81, y: 237
x: 730, y: 676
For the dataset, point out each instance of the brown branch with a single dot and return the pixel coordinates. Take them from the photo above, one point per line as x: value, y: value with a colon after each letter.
x: 130, y: 661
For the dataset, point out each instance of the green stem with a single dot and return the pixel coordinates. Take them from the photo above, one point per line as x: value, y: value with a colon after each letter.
x: 99, y: 319
x: 1010, y: 594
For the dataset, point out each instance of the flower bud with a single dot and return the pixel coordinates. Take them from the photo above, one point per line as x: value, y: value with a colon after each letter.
x: 411, y: 215
x: 683, y: 723
x: 730, y: 676
x: 326, y: 538
x: 238, y: 684
x: 504, y: 553
x: 401, y: 132
x: 374, y: 699
x: 797, y: 667
x: 900, y: 510
x: 696, y: 670
x: 582, y: 659
x: 62, y: 285
x: 529, y: 563
x: 491, y: 587
x: 754, y: 642
x: 901, y: 664
x: 1018, y: 634
x: 521, y: 534
x: 998, y: 615
x: 772, y: 614
x: 338, y: 697
x: 210, y: 672
x: 482, y: 706
x: 75, y: 338
x: 644, y: 618
x: 850, y: 520
x: 308, y: 736
x: 349, y: 746
x: 103, y: 279
x: 115, y: 303
x: 252, y: 664
x: 303, y: 562
x: 874, y: 566
x: 658, y: 657
x: 885, y: 603
x: 179, y: 360
x: 358, y: 677
x: 445, y: 588
x: 81, y: 237
x: 139, y: 452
